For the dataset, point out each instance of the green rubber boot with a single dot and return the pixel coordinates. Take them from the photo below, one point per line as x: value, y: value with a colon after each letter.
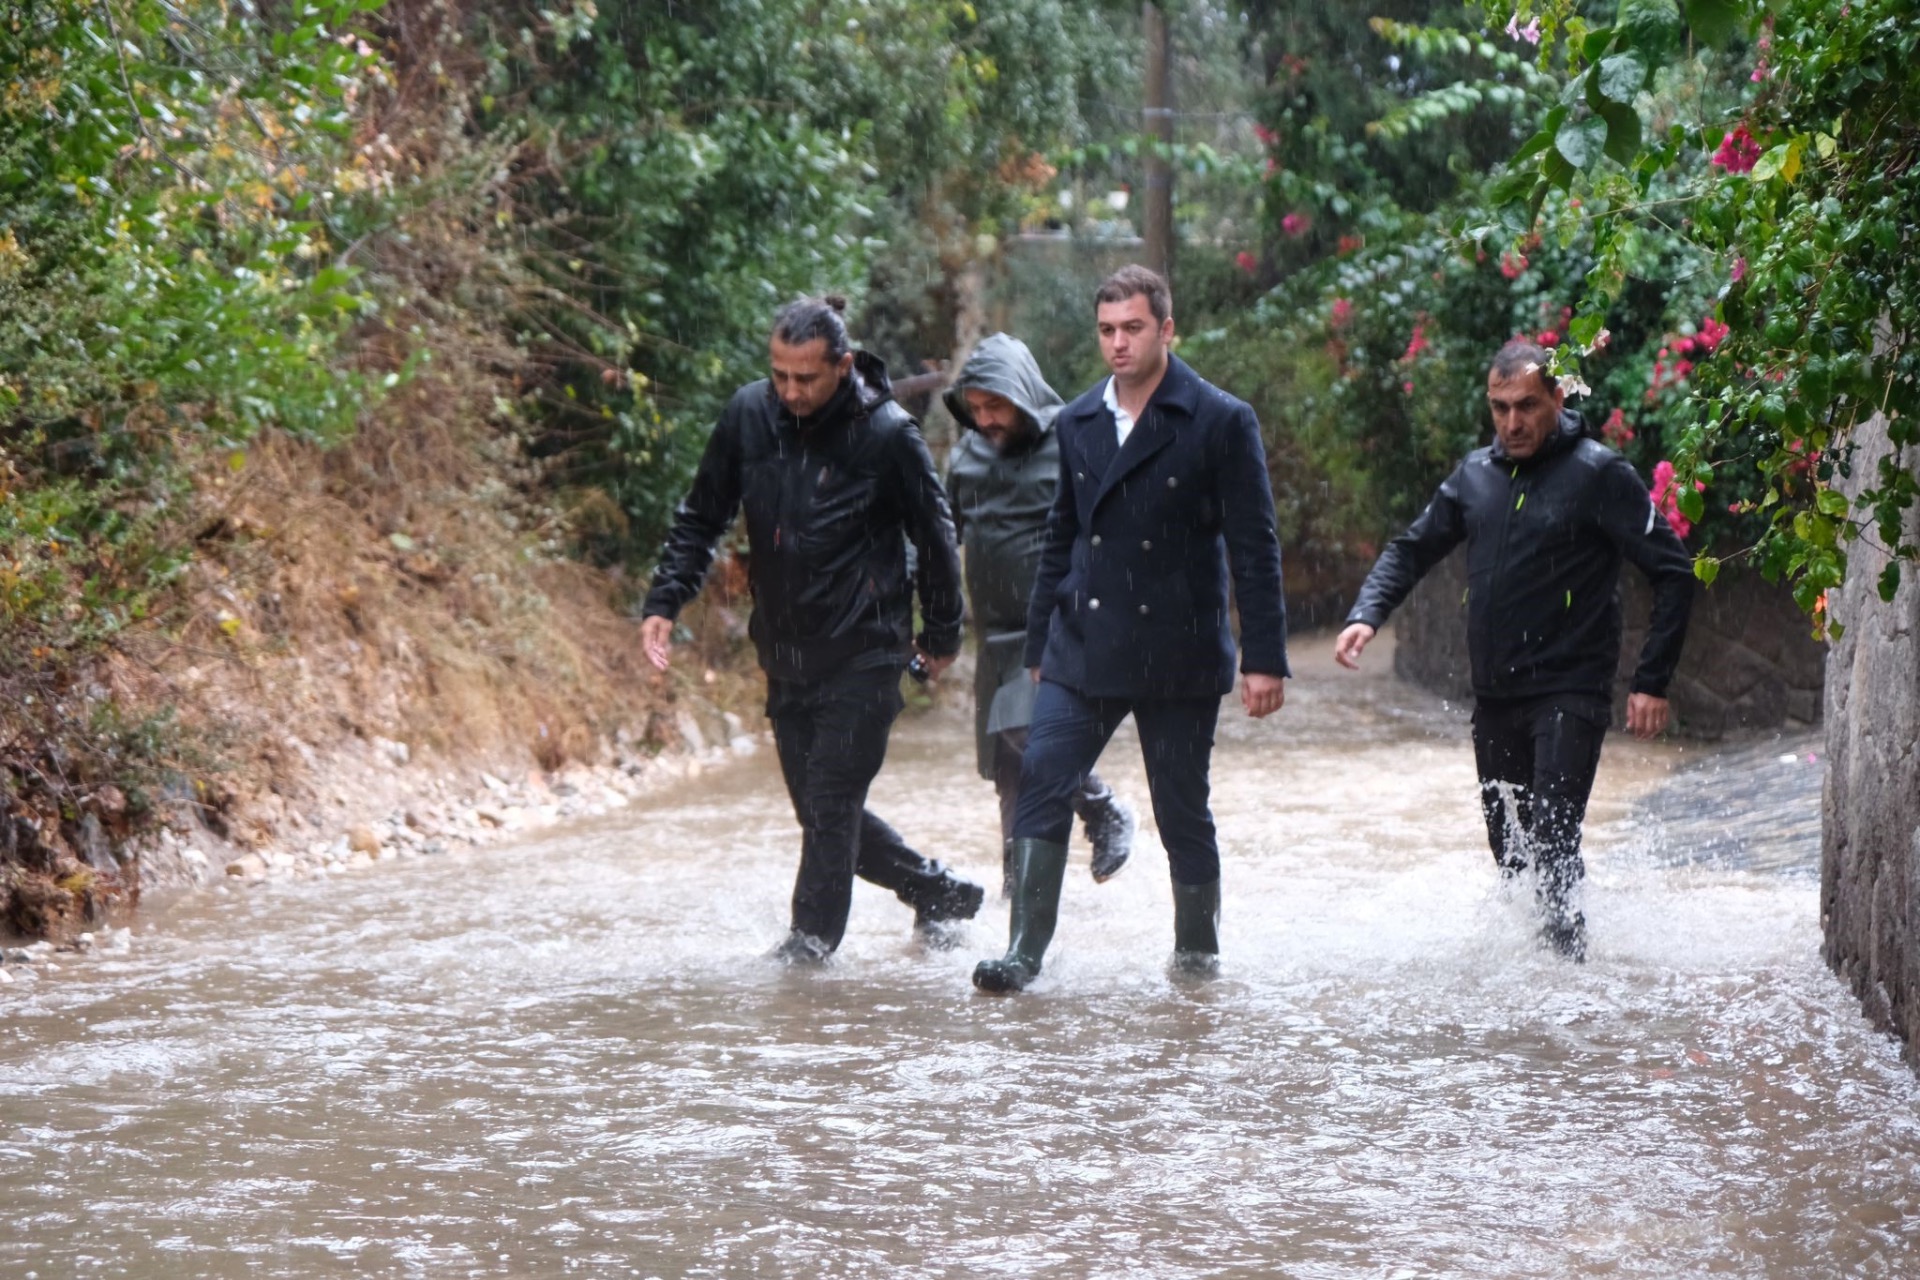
x: 1196, y: 929
x: 1039, y: 867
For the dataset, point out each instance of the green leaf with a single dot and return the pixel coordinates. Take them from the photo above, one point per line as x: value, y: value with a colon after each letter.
x: 1651, y: 26
x: 1511, y: 187
x: 1714, y: 21
x: 1622, y: 76
x: 1581, y: 142
x: 1596, y: 43
x: 1831, y: 502
x: 1889, y: 581
x: 1623, y: 132
x: 1706, y: 568
x: 1533, y: 146
x: 1692, y: 503
x: 1584, y: 329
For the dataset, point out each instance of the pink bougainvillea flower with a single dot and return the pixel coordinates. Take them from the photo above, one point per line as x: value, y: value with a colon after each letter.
x: 1712, y: 333
x: 1759, y: 71
x: 1351, y: 244
x: 1666, y: 497
x: 1246, y: 262
x: 1418, y: 342
x: 1512, y: 264
x: 1267, y: 136
x: 1407, y: 387
x: 1738, y: 151
x: 1342, y: 312
x: 1548, y: 338
x: 1296, y: 224
x: 1739, y: 272
x: 1615, y: 430
x: 1530, y: 33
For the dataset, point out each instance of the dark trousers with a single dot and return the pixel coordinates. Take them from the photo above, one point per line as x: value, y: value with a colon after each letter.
x: 1544, y: 752
x: 1009, y: 746
x: 832, y: 737
x: 1068, y: 734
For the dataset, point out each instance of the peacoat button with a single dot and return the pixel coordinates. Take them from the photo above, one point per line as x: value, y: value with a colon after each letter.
x: 1093, y: 604
x: 1096, y: 539
x: 1144, y: 611
x: 1173, y: 482
x: 1079, y: 475
x: 1146, y: 544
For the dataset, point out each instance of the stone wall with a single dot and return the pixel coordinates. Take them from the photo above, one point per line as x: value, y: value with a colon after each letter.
x: 1870, y: 856
x: 1750, y: 661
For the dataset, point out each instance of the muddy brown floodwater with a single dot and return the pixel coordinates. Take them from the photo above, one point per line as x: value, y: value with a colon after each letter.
x: 570, y: 1058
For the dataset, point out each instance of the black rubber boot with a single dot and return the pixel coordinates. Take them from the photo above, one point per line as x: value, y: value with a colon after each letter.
x: 1562, y: 926
x: 1196, y: 929
x: 953, y: 901
x: 1039, y: 867
x: 802, y: 950
x: 1109, y: 827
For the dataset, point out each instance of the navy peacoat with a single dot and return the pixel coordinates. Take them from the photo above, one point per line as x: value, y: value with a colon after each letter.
x: 1131, y: 599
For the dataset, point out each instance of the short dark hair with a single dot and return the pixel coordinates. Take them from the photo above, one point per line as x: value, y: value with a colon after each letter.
x: 802, y: 321
x: 1135, y: 279
x: 1519, y: 358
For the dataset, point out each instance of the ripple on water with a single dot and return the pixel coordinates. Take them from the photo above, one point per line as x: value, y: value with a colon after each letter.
x: 572, y: 1057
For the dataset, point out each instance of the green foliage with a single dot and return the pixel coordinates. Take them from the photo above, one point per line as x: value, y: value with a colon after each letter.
x: 1801, y: 194
x: 168, y: 174
x: 701, y: 165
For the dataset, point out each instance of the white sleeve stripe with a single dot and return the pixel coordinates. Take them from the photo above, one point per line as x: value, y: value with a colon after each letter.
x: 1649, y: 528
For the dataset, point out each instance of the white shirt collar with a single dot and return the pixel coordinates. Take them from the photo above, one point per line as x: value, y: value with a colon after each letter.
x: 1122, y: 420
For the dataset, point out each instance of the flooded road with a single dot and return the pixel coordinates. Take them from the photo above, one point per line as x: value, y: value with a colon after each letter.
x: 570, y: 1058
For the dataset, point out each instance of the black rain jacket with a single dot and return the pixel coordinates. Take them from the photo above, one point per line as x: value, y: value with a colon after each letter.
x: 831, y: 504
x: 1545, y: 538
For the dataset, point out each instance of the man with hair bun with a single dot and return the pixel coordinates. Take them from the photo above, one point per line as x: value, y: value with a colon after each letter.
x: 1548, y: 515
x: 835, y: 481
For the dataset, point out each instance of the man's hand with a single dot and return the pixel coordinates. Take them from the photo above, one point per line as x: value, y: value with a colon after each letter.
x: 934, y: 665
x: 1646, y: 715
x: 1034, y: 674
x: 1347, y: 649
x: 1262, y: 695
x: 656, y: 635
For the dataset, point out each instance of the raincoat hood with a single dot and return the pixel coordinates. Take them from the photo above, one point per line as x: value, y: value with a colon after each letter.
x: 1003, y: 366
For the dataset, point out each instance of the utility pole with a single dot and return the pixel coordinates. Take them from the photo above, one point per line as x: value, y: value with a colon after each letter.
x: 1156, y: 219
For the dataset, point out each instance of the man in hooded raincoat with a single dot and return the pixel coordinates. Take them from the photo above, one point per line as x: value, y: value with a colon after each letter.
x: 1548, y: 515
x: 1001, y: 478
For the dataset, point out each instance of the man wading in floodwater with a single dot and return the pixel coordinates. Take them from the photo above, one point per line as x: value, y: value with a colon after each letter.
x: 835, y: 480
x: 1163, y: 485
x: 1547, y: 515
x: 1001, y: 477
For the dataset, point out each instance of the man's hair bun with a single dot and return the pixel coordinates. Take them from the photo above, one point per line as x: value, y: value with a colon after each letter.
x: 837, y: 301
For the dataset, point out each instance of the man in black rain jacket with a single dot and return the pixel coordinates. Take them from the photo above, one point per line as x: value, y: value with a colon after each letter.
x: 1002, y: 477
x: 835, y: 480
x: 1547, y: 515
x: 1163, y: 500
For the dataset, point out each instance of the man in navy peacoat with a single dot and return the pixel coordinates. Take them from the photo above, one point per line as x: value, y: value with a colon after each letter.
x: 1163, y: 500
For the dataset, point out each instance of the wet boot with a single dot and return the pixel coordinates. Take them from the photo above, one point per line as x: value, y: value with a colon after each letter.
x: 1562, y: 926
x: 1039, y: 867
x: 802, y: 950
x: 1109, y: 826
x: 952, y: 901
x: 1196, y: 929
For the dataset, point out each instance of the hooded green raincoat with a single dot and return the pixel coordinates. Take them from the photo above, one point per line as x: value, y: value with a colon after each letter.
x: 1000, y: 504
